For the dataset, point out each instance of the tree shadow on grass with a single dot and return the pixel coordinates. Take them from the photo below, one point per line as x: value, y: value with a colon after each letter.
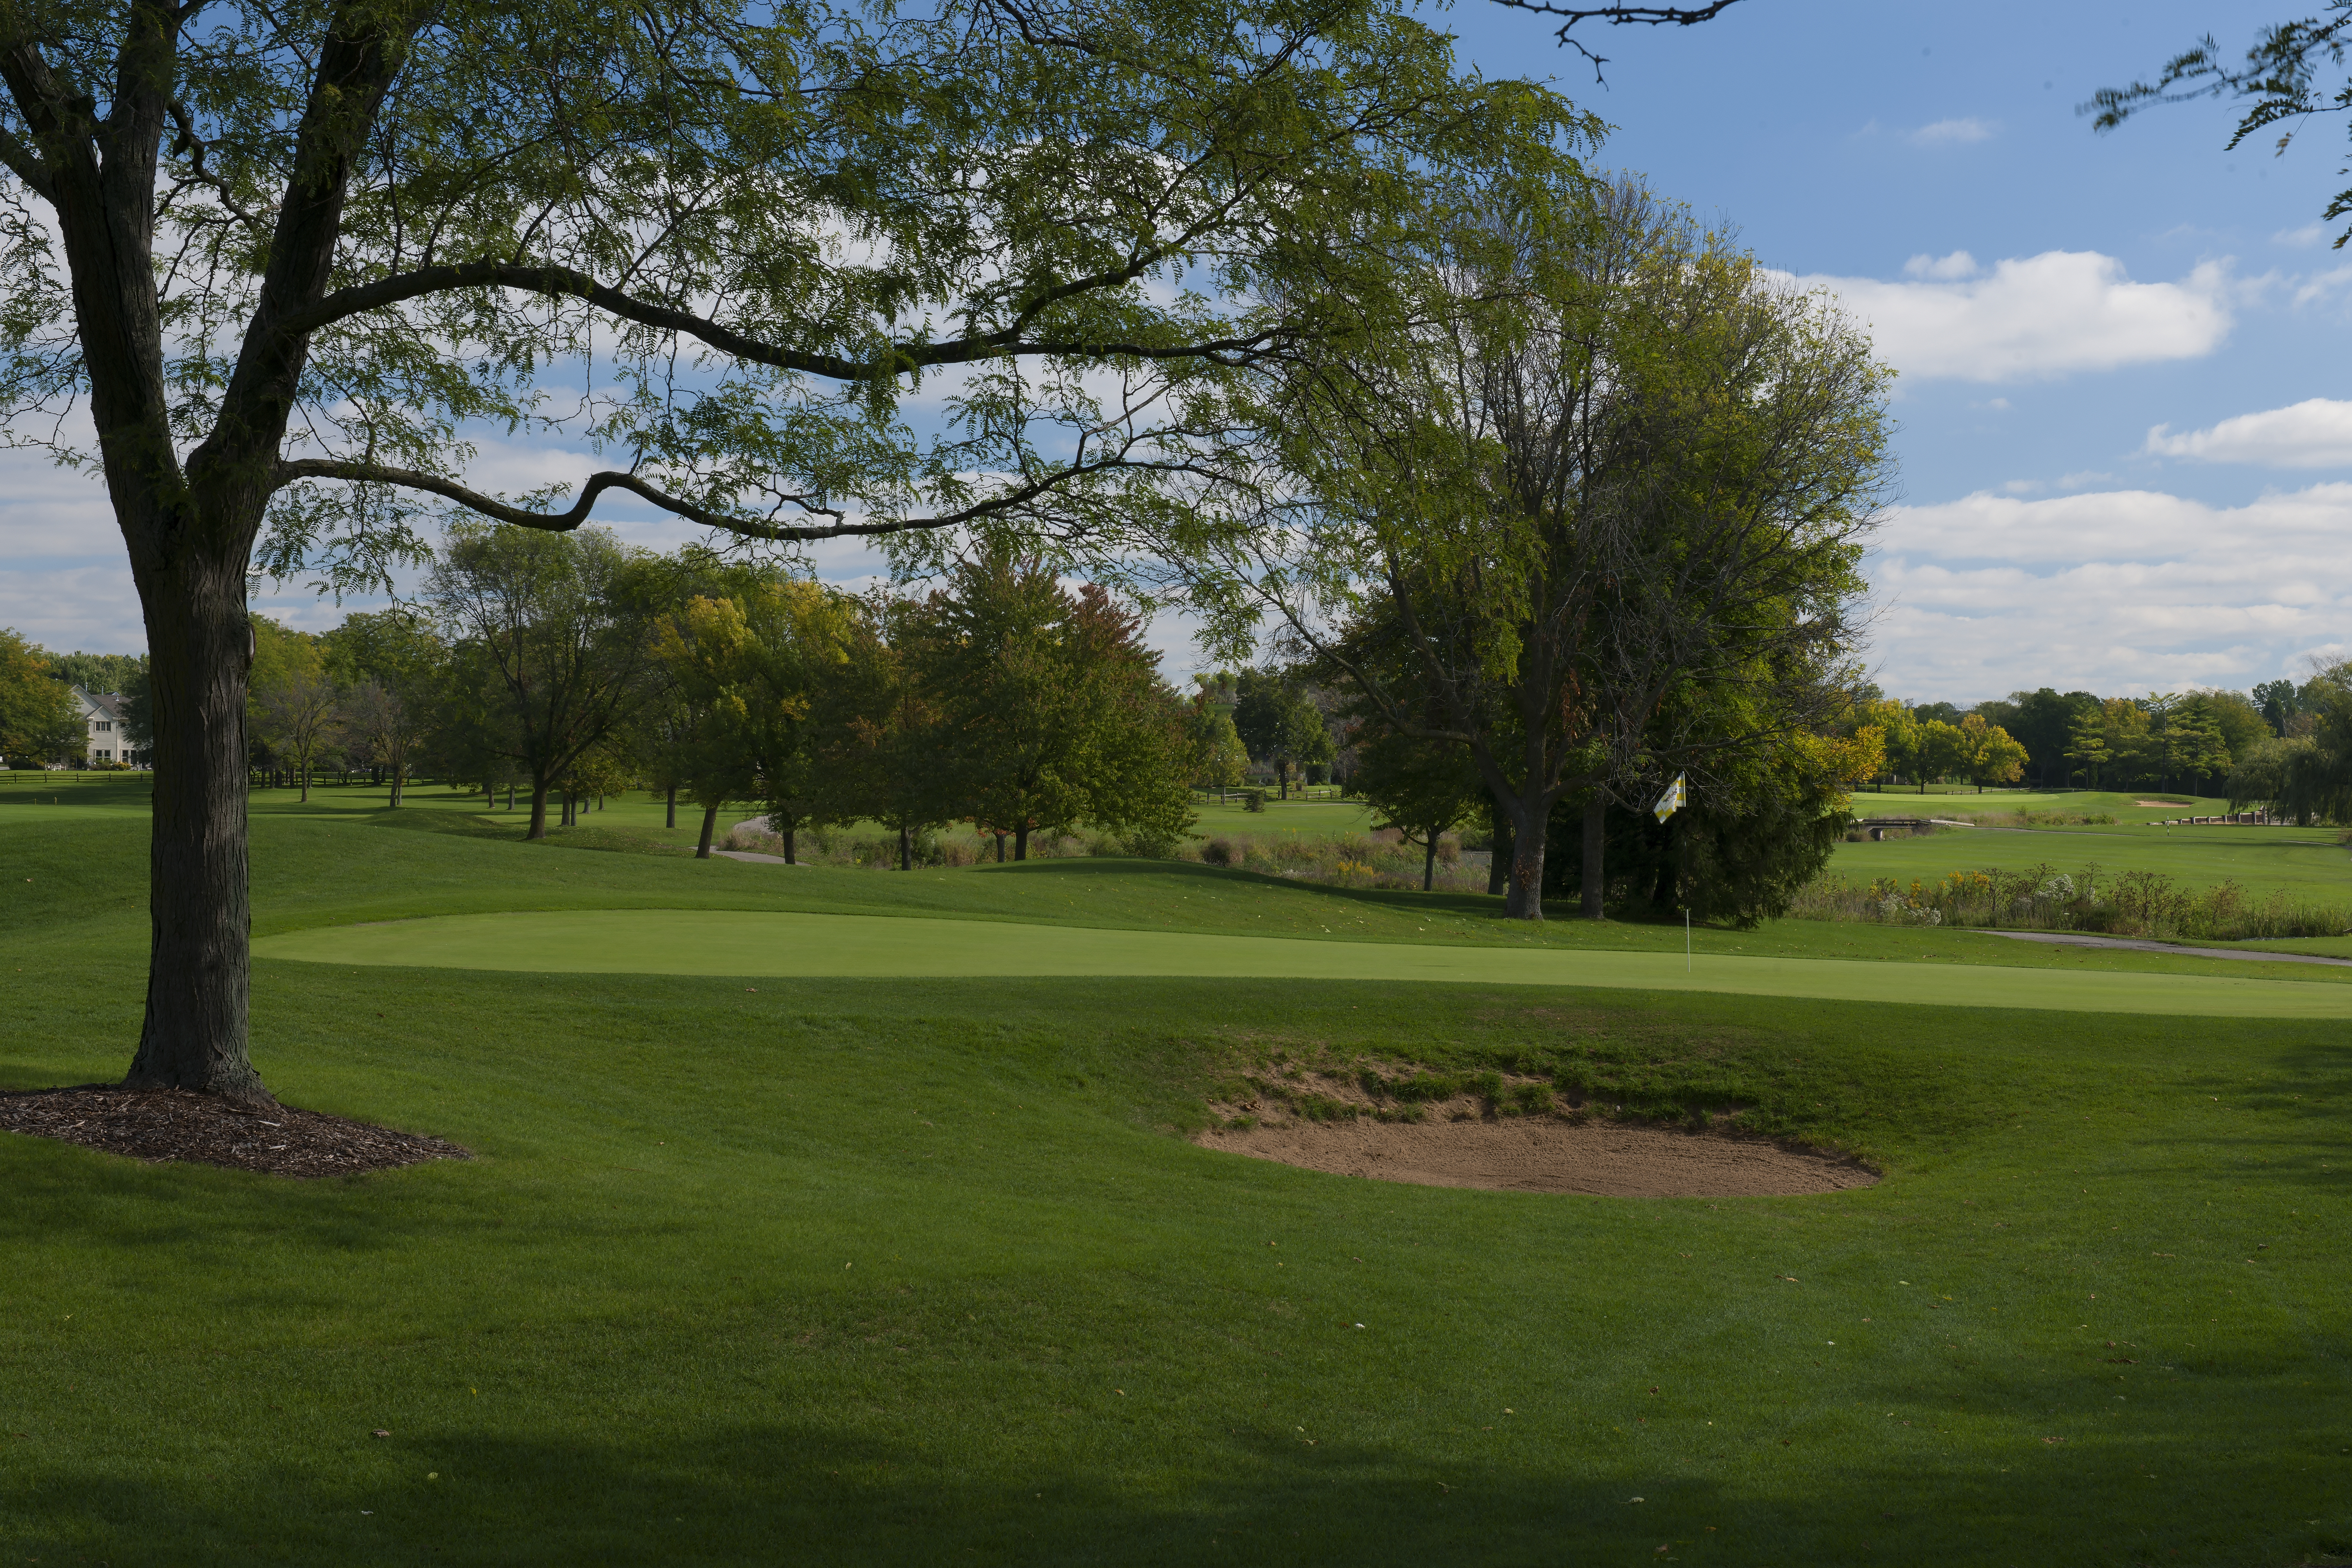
x: 798, y: 1491
x: 1408, y: 900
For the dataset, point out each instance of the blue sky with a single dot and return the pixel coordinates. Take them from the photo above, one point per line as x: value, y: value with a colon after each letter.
x: 2140, y: 279
x: 2050, y: 295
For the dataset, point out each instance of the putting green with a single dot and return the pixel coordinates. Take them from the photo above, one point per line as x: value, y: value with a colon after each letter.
x: 774, y: 944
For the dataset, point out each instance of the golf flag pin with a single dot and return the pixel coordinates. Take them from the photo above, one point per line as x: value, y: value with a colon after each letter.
x: 1672, y: 800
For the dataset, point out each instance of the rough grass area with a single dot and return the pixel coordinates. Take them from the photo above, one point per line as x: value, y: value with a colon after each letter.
x: 2088, y: 898
x: 1565, y: 1059
x: 921, y: 1270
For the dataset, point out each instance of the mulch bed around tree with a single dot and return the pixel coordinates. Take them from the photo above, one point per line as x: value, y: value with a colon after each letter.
x: 159, y: 1124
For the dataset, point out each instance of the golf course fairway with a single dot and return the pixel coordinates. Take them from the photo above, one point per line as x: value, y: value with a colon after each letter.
x: 770, y: 944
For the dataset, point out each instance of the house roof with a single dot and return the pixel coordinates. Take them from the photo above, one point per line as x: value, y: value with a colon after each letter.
x: 106, y: 704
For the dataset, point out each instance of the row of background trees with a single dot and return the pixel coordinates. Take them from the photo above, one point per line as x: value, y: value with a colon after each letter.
x: 568, y: 667
x: 2181, y: 741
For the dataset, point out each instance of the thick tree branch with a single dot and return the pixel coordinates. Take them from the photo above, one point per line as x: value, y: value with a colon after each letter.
x: 693, y: 512
x: 563, y: 282
x: 25, y: 164
x: 55, y: 112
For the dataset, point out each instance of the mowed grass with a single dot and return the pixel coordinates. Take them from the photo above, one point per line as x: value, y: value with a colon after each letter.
x: 883, y: 1270
x: 1959, y: 802
x: 799, y: 946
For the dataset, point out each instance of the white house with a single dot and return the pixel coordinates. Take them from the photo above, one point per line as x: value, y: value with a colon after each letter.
x: 109, y: 736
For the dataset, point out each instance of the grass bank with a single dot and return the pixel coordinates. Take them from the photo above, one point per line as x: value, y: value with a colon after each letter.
x: 917, y: 1270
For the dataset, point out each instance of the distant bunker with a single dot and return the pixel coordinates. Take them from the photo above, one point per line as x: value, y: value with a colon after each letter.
x: 1462, y: 1143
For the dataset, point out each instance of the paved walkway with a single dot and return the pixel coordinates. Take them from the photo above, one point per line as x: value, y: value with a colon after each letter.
x: 756, y: 859
x: 2070, y: 939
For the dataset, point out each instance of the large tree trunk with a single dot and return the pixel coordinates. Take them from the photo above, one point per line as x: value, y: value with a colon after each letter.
x: 1429, y: 864
x: 1020, y: 841
x: 539, y: 788
x: 709, y: 823
x: 906, y: 850
x: 673, y: 806
x: 1528, y: 822
x: 200, y: 647
x: 791, y: 858
x: 1596, y: 843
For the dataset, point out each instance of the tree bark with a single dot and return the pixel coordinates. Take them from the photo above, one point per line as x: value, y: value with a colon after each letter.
x: 1499, y: 855
x: 709, y: 823
x: 788, y: 836
x: 673, y: 806
x: 1020, y: 841
x: 1596, y: 845
x: 1525, y: 900
x: 199, y: 897
x: 906, y: 850
x: 1429, y: 864
x: 538, y: 829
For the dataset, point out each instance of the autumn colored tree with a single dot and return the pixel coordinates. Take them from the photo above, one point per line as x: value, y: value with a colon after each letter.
x: 39, y: 720
x: 1993, y: 757
x: 704, y: 651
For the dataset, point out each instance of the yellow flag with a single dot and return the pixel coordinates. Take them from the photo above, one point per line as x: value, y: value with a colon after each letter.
x: 1672, y: 800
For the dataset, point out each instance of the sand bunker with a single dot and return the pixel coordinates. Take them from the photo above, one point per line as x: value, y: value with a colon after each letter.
x: 1547, y: 1154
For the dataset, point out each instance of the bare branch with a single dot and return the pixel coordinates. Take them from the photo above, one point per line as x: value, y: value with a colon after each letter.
x: 1619, y: 17
x: 192, y: 146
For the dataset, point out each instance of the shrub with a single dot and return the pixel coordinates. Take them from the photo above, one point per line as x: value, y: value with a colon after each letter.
x: 1253, y: 800
x: 1224, y: 852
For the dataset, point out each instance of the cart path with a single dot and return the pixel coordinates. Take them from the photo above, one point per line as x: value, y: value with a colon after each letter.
x: 2074, y: 939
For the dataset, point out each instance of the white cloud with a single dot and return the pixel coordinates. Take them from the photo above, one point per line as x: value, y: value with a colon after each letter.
x: 2313, y: 434
x: 1941, y: 268
x: 2117, y: 591
x: 2036, y: 318
x: 1953, y: 132
x: 2310, y: 234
